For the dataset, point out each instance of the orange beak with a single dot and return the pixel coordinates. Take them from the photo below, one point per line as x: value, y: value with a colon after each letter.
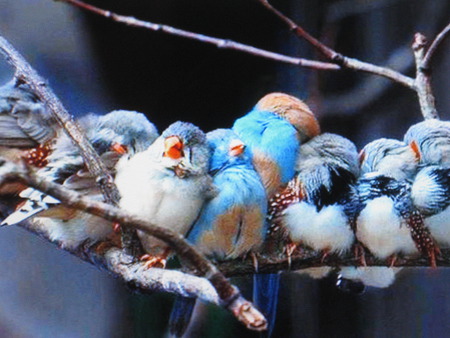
x: 362, y: 156
x: 119, y: 148
x: 173, y: 147
x: 236, y: 148
x: 415, y: 149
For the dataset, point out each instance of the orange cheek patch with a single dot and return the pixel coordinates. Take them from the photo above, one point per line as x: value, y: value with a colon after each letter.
x: 173, y: 147
x: 415, y: 149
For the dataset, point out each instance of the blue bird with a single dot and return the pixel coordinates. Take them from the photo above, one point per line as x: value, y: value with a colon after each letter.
x: 232, y: 224
x: 274, y: 130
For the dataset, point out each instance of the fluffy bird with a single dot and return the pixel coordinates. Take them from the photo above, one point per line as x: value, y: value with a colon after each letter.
x: 115, y: 135
x: 26, y: 132
x: 273, y: 130
x: 431, y: 187
x: 388, y: 223
x: 312, y: 210
x: 167, y: 184
x: 232, y: 224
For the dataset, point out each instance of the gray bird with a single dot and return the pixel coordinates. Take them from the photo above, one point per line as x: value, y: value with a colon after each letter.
x: 387, y: 222
x: 119, y: 134
x: 26, y: 132
x: 167, y: 184
x: 431, y: 187
x: 312, y: 208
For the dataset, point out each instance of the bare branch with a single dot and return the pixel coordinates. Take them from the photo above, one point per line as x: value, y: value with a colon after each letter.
x: 426, y: 63
x: 220, y: 43
x: 338, y: 58
x: 309, y: 258
x: 229, y: 295
x: 423, y: 79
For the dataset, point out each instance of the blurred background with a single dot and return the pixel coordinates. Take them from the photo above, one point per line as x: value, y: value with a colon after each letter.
x: 95, y: 65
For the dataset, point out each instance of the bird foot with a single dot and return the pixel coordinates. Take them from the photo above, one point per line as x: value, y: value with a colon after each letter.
x: 290, y: 248
x: 432, y: 253
x: 254, y: 258
x: 154, y: 261
x: 360, y: 254
x: 325, y: 254
x: 117, y: 228
x: 392, y: 261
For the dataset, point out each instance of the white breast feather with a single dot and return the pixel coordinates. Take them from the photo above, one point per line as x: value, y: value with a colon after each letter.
x: 327, y: 229
x: 380, y: 229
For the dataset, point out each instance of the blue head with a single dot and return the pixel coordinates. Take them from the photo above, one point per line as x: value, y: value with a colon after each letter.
x: 227, y: 150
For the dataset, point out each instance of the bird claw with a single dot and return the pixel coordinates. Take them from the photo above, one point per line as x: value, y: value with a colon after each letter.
x: 392, y: 261
x: 255, y: 263
x: 154, y: 261
x: 290, y: 248
x: 325, y: 254
x: 117, y: 228
x: 360, y: 254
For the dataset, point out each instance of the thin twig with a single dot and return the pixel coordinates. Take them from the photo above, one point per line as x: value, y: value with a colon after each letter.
x: 426, y: 63
x: 423, y: 79
x: 220, y: 43
x: 332, y: 55
x: 229, y: 295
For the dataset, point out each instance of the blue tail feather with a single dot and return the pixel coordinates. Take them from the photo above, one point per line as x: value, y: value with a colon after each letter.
x: 265, y: 297
x: 181, y: 314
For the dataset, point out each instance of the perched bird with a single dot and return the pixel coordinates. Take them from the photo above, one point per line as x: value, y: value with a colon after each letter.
x: 431, y: 187
x: 232, y: 224
x: 432, y: 138
x: 26, y: 132
x: 388, y: 223
x: 312, y: 210
x: 273, y: 130
x: 167, y: 184
x: 117, y: 134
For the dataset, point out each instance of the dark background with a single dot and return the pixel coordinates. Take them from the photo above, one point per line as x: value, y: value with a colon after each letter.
x: 97, y: 65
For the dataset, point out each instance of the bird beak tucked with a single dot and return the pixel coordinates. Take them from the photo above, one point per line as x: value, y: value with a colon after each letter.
x: 415, y: 149
x: 173, y: 147
x: 236, y: 148
x: 362, y: 156
x: 119, y: 148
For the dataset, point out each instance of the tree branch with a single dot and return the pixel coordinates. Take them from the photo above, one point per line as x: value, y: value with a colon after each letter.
x: 338, y: 58
x: 230, y: 296
x: 220, y: 43
x: 423, y: 79
x: 426, y: 63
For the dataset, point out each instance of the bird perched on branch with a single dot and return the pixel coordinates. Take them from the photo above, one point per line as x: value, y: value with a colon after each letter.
x: 26, y: 131
x: 431, y: 187
x: 167, y: 184
x: 388, y: 223
x: 232, y: 224
x: 117, y: 134
x: 274, y: 130
x: 312, y: 209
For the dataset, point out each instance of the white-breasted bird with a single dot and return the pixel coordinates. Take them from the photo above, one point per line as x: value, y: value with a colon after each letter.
x: 167, y: 184
x: 115, y: 135
x: 431, y: 187
x: 387, y: 223
x: 313, y: 207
